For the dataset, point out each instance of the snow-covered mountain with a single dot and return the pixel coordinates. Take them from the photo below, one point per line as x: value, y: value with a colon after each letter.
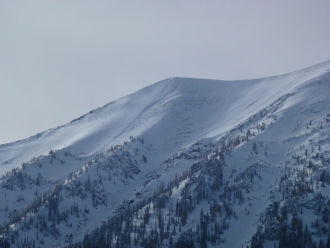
x: 181, y: 163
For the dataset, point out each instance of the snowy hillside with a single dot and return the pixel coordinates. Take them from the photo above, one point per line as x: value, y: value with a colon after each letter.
x: 181, y: 163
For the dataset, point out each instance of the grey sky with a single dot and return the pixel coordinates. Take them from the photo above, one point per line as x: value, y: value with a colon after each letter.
x: 60, y: 59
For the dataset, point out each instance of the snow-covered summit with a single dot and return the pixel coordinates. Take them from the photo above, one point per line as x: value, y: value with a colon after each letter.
x: 238, y: 147
x: 173, y: 113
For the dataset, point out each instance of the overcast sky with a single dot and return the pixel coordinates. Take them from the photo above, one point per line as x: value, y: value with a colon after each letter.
x: 61, y: 59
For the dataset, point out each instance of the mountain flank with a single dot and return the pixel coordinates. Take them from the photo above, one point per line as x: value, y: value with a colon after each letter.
x: 181, y: 163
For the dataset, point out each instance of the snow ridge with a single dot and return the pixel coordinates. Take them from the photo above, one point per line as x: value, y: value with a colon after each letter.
x: 184, y: 161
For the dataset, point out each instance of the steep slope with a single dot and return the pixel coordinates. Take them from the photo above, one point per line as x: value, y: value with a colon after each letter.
x: 213, y: 154
x: 174, y: 102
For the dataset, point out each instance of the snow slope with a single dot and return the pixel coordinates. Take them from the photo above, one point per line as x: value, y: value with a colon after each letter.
x: 171, y: 113
x: 131, y: 146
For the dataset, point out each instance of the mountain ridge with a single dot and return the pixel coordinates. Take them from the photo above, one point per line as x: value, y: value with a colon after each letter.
x: 176, y: 82
x: 206, y: 148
